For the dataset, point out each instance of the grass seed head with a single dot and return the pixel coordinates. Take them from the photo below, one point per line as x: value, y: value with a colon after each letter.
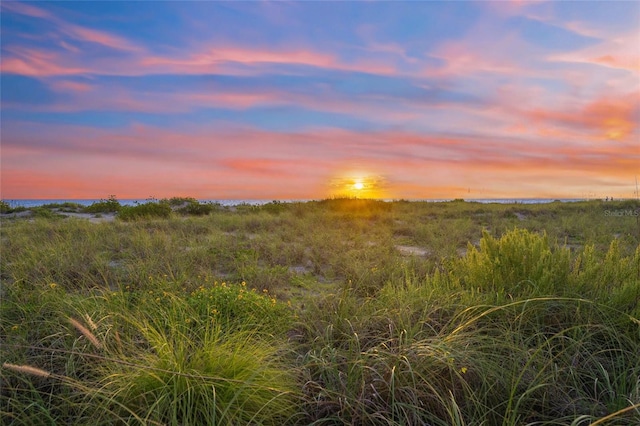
x: 86, y: 333
x: 27, y: 369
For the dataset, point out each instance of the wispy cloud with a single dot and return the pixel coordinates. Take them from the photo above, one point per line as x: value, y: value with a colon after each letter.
x: 26, y: 9
x: 620, y: 52
x: 37, y: 63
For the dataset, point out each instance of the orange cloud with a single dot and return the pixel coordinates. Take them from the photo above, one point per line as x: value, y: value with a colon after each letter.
x: 614, y: 118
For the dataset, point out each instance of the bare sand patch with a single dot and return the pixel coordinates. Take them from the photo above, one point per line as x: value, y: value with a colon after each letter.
x: 23, y: 214
x: 521, y: 216
x: 413, y: 251
x: 91, y: 217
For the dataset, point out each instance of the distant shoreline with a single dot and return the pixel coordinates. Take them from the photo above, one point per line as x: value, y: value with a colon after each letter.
x: 28, y: 203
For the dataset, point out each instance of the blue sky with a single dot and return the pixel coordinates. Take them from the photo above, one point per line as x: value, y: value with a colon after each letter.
x: 299, y: 100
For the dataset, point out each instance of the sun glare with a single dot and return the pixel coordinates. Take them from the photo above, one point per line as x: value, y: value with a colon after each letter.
x: 359, y: 185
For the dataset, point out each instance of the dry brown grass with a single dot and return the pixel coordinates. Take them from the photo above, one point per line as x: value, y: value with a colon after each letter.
x: 86, y: 333
x: 27, y: 369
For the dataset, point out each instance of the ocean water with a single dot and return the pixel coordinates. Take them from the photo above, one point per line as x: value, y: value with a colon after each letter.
x: 131, y: 202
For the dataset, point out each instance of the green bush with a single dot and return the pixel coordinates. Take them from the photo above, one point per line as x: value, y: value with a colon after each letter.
x: 197, y: 209
x: 144, y: 211
x: 518, y: 263
x: 274, y: 207
x: 179, y: 201
x: 65, y: 207
x: 5, y: 207
x: 111, y: 205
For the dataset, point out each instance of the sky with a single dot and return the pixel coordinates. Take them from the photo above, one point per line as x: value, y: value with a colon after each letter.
x: 307, y: 100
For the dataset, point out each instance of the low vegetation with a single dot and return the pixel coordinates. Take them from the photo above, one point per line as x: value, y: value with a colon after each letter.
x: 328, y: 312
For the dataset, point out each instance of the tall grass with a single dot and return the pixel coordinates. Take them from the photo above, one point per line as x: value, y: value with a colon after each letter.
x: 210, y: 356
x: 312, y: 313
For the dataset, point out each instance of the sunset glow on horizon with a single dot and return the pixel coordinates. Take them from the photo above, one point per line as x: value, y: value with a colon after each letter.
x: 308, y: 100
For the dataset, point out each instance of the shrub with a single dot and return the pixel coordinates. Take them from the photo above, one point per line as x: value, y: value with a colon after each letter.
x: 179, y: 201
x: 274, y: 207
x: 111, y: 205
x: 65, y: 207
x: 5, y: 207
x: 196, y: 209
x: 144, y: 211
x: 518, y: 263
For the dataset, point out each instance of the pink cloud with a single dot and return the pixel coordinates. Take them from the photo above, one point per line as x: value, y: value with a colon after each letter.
x: 221, y: 58
x: 468, y: 57
x: 98, y: 37
x: 26, y: 9
x: 619, y: 52
x: 37, y: 63
x: 76, y: 32
x: 71, y: 86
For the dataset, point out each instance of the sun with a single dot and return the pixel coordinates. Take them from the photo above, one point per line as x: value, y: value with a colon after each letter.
x: 359, y: 185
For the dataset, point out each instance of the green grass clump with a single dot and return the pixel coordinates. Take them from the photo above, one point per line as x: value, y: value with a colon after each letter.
x: 201, y: 359
x: 141, y: 356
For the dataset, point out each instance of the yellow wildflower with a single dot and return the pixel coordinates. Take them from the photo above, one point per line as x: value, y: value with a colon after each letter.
x: 53, y: 286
